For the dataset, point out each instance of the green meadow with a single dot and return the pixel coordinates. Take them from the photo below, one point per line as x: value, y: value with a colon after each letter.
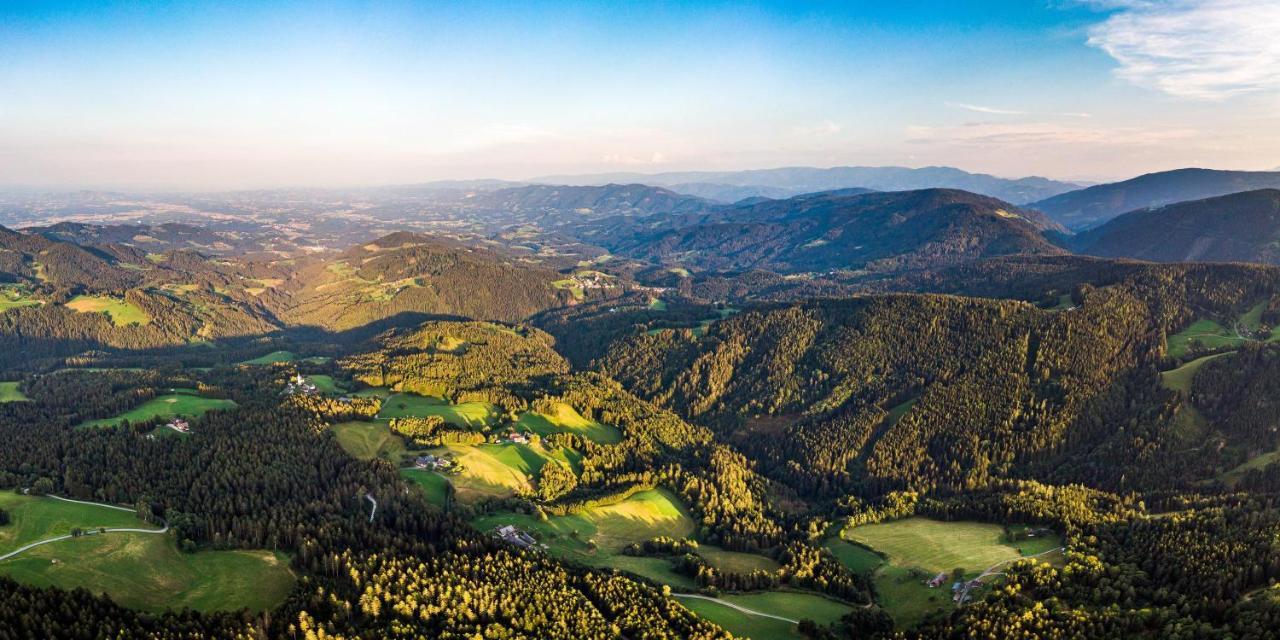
x: 9, y: 392
x: 182, y: 402
x: 271, y: 358
x: 434, y: 486
x: 368, y: 440
x: 610, y: 528
x: 140, y: 570
x: 121, y: 312
x: 467, y: 414
x: 500, y: 470
x: 915, y: 549
x: 565, y: 419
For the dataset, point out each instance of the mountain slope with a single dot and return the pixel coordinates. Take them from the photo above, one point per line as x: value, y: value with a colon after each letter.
x: 412, y: 273
x: 1094, y: 205
x: 798, y: 180
x: 819, y: 232
x: 1241, y: 227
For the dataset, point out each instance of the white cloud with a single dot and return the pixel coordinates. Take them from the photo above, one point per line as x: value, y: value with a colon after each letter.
x: 824, y: 128
x: 1203, y: 49
x: 977, y: 108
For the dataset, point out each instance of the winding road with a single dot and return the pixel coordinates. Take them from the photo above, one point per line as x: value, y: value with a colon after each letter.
x: 734, y: 606
x: 991, y: 571
x: 374, y: 502
x: 87, y: 532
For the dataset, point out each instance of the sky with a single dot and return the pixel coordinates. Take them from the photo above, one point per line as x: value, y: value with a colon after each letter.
x: 231, y: 95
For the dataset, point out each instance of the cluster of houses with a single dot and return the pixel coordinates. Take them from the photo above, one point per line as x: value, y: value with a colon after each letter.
x: 179, y: 425
x: 299, y: 385
x: 958, y: 588
x: 510, y: 534
x: 516, y: 437
x: 432, y: 462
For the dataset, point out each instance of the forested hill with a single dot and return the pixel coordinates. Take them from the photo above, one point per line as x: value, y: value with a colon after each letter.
x: 993, y: 385
x: 413, y: 273
x: 555, y: 207
x: 1094, y: 205
x: 820, y: 232
x: 1241, y: 227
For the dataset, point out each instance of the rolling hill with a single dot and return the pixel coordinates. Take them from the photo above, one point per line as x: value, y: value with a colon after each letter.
x: 1241, y: 227
x: 1094, y: 205
x: 842, y: 230
x: 798, y: 180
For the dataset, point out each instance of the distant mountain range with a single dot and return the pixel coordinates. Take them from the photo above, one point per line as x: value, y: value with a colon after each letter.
x: 842, y: 230
x: 1240, y: 227
x: 1095, y: 205
x: 797, y: 180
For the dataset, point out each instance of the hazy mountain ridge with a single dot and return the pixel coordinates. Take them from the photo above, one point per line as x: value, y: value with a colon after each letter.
x: 1095, y: 205
x: 881, y: 231
x: 812, y: 179
x: 1240, y: 227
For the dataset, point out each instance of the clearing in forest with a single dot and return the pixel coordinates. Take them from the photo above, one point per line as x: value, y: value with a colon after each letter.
x: 180, y: 402
x: 121, y: 312
x: 610, y: 528
x: 566, y: 419
x: 467, y: 414
x: 141, y: 570
x: 271, y: 358
x: 9, y: 392
x: 916, y: 549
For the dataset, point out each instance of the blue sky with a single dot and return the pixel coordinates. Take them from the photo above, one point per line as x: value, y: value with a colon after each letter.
x: 231, y: 95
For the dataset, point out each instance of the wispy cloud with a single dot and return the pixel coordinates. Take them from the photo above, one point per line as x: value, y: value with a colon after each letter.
x: 977, y: 108
x: 1041, y: 134
x: 1202, y: 49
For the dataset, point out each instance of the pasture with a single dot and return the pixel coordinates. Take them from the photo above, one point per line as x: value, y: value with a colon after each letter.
x: 638, y: 518
x: 567, y: 420
x: 500, y: 470
x: 9, y: 392
x: 740, y: 624
x: 136, y: 569
x: 271, y: 358
x: 121, y: 312
x: 181, y: 402
x: 472, y: 415
x: 435, y: 487
x: 368, y: 440
x: 15, y: 296
x: 918, y: 548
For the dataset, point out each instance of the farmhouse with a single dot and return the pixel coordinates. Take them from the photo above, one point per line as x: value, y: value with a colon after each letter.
x: 179, y: 425
x: 433, y: 462
x: 509, y: 533
x: 518, y: 437
x: 938, y: 580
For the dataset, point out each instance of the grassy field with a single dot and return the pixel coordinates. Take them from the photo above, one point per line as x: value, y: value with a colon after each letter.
x: 9, y: 392
x: 139, y: 570
x: 324, y: 384
x: 368, y: 440
x: 918, y: 548
x: 1180, y: 379
x: 736, y: 562
x: 121, y: 312
x: 567, y: 419
x: 272, y: 358
x: 1232, y: 476
x: 434, y: 486
x: 14, y: 296
x: 467, y: 414
x: 642, y: 516
x: 857, y: 558
x: 182, y: 402
x: 500, y: 470
x: 742, y: 625
x: 147, y: 572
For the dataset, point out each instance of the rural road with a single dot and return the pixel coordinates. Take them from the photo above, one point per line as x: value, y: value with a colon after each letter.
x: 734, y: 606
x: 991, y: 571
x: 374, y: 511
x: 88, y: 531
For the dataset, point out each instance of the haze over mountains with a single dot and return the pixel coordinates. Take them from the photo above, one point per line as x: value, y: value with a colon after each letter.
x: 1094, y: 205
x: 731, y: 186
